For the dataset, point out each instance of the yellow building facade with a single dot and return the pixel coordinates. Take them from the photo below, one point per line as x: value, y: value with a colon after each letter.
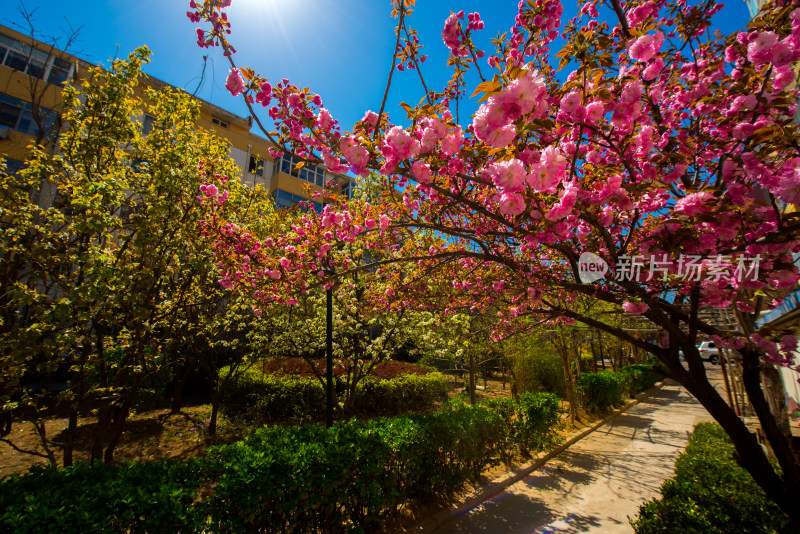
x: 32, y: 74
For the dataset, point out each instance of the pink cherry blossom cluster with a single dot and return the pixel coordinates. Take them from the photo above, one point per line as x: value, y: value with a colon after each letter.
x: 211, y: 11
x: 542, y: 19
x: 675, y: 153
x: 494, y: 120
x: 456, y: 38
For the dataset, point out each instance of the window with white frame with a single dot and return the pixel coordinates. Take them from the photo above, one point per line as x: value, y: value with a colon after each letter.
x: 313, y: 174
x: 34, y: 62
x: 18, y: 115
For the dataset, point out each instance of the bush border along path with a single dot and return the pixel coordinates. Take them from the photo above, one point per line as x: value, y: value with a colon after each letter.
x: 497, y: 486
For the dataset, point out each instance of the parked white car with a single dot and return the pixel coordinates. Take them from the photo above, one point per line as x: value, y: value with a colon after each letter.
x: 708, y: 352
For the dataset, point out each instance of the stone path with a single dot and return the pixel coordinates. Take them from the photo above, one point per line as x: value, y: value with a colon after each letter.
x: 597, y: 483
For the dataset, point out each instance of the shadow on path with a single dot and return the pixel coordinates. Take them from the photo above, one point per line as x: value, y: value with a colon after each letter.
x: 597, y: 483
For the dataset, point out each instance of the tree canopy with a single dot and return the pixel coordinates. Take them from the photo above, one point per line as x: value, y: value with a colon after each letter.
x: 664, y: 160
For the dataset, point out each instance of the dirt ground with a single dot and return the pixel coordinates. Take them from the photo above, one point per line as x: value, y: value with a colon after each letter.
x: 491, y: 389
x: 148, y: 435
x: 157, y: 434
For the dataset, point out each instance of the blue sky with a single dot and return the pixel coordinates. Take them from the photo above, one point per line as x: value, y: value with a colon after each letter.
x: 341, y: 49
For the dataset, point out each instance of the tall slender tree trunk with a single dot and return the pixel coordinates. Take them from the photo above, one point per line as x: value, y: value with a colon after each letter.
x: 100, y: 433
x: 568, y: 382
x: 472, y: 396
x: 119, y: 419
x: 69, y: 441
x: 216, y: 399
x: 776, y: 397
x: 329, y: 396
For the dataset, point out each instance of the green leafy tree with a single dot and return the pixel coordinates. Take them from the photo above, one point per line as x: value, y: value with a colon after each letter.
x: 120, y: 274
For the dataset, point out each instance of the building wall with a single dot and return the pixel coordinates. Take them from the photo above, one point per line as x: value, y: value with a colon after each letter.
x: 18, y: 89
x: 248, y: 149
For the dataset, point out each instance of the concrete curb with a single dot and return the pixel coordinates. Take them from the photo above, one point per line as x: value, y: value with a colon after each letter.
x: 495, y: 488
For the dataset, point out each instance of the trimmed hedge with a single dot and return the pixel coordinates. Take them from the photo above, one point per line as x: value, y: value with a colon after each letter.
x: 603, y: 390
x: 352, y: 477
x: 132, y: 497
x: 405, y: 393
x: 267, y: 398
x: 538, y: 416
x: 642, y: 376
x: 529, y: 422
x: 710, y: 493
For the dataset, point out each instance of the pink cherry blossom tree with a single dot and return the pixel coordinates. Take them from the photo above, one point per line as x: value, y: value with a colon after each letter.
x: 662, y: 158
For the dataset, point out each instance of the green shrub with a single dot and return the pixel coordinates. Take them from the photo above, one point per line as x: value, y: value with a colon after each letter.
x: 538, y: 368
x: 352, y: 477
x: 266, y: 398
x: 132, y: 497
x: 406, y: 393
x: 539, y: 414
x: 530, y: 421
x: 641, y: 376
x: 349, y: 478
x: 710, y: 493
x: 603, y: 390
x: 298, y: 479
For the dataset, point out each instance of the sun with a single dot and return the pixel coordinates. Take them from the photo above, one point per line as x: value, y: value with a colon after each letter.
x: 273, y: 9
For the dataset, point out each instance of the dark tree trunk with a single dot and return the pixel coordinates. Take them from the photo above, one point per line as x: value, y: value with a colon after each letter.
x: 120, y: 417
x: 329, y: 358
x: 101, y: 430
x: 69, y: 441
x: 783, y: 490
x: 179, y: 383
x: 216, y: 399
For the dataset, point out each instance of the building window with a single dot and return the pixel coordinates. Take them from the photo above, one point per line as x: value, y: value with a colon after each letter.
x: 219, y: 122
x: 147, y: 124
x: 284, y: 199
x: 13, y: 166
x: 256, y: 166
x: 347, y: 189
x: 313, y: 174
x: 60, y: 71
x: 18, y: 115
x: 34, y: 62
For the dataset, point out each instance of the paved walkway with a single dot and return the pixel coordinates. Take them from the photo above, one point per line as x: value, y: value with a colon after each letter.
x: 597, y: 483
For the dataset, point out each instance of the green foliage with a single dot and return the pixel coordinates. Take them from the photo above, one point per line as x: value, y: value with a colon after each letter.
x: 538, y: 368
x: 406, y: 393
x: 603, y: 390
x: 263, y: 398
x: 642, y: 376
x: 266, y: 398
x: 531, y: 420
x: 132, y: 497
x: 107, y: 279
x: 353, y: 477
x: 710, y: 493
x: 538, y: 417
